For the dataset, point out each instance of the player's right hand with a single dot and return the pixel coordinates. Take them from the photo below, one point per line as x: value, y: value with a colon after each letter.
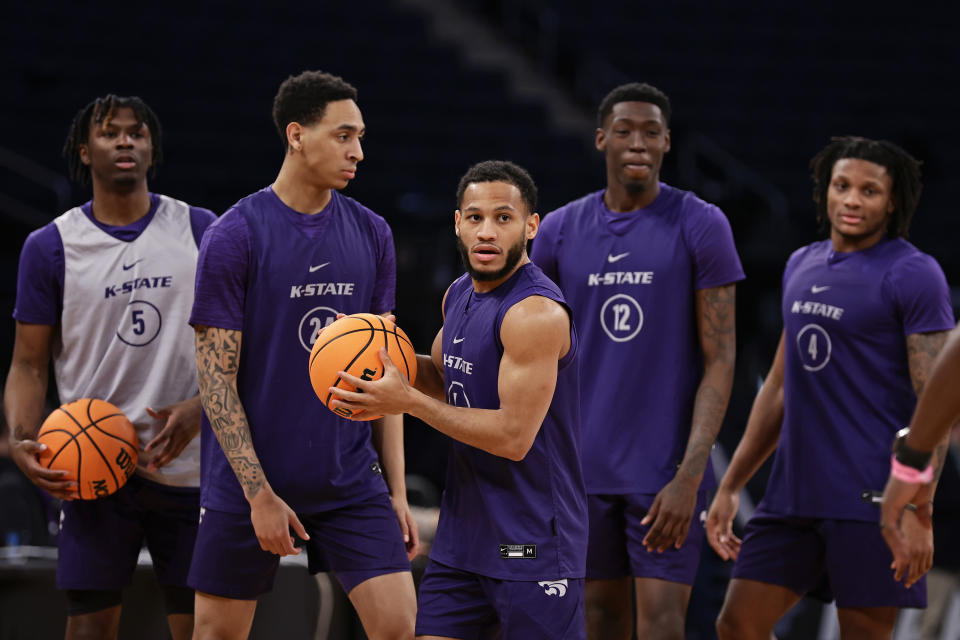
x: 272, y: 520
x: 719, y: 524
x: 25, y: 454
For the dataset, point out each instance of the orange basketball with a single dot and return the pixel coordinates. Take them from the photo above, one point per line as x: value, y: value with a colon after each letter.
x: 352, y: 344
x: 94, y: 442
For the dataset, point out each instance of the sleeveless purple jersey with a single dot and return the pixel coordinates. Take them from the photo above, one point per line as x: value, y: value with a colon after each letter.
x: 510, y: 520
x: 630, y: 279
x: 279, y: 276
x: 847, y: 387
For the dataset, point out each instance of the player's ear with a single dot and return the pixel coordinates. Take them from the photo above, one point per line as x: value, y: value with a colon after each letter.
x: 666, y: 137
x: 84, y: 153
x: 294, y: 137
x: 600, y: 139
x: 532, y: 225
x: 456, y: 222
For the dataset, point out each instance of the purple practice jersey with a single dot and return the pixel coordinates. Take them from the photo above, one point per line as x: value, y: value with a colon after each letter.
x: 847, y: 387
x: 630, y: 279
x: 500, y: 518
x: 278, y: 276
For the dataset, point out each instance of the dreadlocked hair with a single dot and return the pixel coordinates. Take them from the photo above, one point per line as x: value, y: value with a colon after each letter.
x: 903, y: 169
x: 101, y: 111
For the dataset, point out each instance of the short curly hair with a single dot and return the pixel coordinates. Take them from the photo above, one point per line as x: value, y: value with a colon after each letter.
x: 304, y: 97
x: 500, y: 171
x: 634, y: 92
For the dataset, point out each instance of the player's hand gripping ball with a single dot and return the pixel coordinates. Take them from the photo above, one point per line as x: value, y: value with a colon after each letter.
x: 352, y: 344
x: 93, y: 442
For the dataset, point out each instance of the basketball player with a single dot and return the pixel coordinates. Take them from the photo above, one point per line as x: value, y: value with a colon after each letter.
x: 864, y: 314
x: 938, y: 409
x: 501, y: 381
x: 649, y: 271
x: 105, y: 291
x: 275, y: 268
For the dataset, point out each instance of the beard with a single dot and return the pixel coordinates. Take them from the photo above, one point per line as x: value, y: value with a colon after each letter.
x: 513, y: 257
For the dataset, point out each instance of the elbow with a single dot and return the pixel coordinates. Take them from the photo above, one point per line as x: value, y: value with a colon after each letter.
x: 517, y: 447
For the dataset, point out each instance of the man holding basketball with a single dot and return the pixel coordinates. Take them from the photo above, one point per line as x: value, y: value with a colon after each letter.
x: 273, y: 270
x: 649, y: 271
x: 105, y: 291
x: 502, y: 381
x: 864, y: 316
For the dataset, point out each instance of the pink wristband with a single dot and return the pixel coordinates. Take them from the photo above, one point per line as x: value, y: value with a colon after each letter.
x: 903, y: 473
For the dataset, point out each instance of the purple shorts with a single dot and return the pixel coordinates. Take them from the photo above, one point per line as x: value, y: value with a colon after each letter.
x: 355, y: 542
x: 468, y: 606
x: 100, y: 540
x: 843, y: 559
x: 616, y: 546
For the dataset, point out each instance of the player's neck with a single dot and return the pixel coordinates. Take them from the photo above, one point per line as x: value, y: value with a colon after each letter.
x: 120, y: 208
x: 850, y: 244
x: 486, y: 286
x: 619, y: 199
x: 299, y: 193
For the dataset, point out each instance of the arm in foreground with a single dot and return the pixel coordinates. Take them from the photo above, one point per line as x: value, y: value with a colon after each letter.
x: 535, y: 334
x: 218, y: 361
x: 912, y: 542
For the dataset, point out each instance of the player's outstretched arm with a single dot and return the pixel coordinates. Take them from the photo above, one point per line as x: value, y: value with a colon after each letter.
x: 758, y: 442
x: 218, y: 361
x: 23, y: 401
x: 909, y: 535
x: 535, y: 334
x: 673, y: 507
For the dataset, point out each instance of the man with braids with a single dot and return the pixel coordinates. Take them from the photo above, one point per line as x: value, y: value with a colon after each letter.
x: 274, y: 269
x: 649, y: 271
x: 502, y: 380
x: 864, y: 316
x: 105, y: 290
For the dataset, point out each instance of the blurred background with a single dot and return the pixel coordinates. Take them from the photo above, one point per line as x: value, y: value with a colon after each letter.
x: 757, y: 89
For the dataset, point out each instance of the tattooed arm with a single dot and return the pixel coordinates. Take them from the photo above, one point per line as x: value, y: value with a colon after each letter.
x: 23, y: 401
x: 218, y: 361
x: 914, y: 557
x: 673, y: 507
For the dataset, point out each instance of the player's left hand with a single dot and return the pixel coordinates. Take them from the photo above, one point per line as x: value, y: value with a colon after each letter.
x: 181, y: 425
x: 670, y: 515
x: 896, y: 496
x: 389, y: 395
x: 918, y: 544
x: 408, y: 526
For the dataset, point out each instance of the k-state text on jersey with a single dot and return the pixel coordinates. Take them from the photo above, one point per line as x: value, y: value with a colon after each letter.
x: 321, y: 289
x: 129, y: 286
x: 619, y: 277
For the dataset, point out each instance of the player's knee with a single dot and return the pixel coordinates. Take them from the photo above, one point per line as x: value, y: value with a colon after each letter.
x: 394, y: 627
x: 666, y: 624
x: 733, y: 625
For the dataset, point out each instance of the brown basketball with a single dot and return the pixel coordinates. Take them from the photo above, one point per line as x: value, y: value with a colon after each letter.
x: 94, y: 442
x: 352, y: 344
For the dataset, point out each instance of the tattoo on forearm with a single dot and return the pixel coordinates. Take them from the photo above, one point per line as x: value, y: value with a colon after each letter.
x: 922, y: 350
x: 716, y: 307
x: 218, y: 360
x: 717, y: 311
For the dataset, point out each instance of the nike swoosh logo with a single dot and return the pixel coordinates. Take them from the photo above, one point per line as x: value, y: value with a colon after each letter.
x: 127, y: 267
x: 458, y: 340
x: 816, y: 289
x: 615, y: 258
x: 318, y: 267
